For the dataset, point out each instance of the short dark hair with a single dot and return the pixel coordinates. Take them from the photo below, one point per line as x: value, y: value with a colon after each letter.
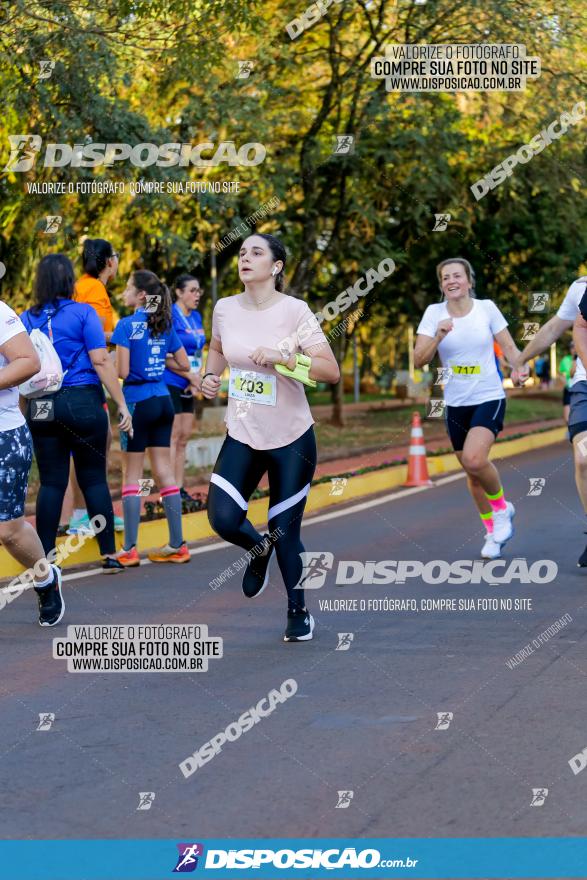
x: 54, y: 279
x: 95, y: 255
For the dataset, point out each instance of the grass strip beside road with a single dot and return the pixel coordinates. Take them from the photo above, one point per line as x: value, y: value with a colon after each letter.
x: 384, y: 427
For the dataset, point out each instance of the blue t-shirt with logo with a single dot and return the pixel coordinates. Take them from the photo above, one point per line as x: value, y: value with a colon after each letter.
x: 77, y: 329
x: 190, y: 331
x: 147, y: 356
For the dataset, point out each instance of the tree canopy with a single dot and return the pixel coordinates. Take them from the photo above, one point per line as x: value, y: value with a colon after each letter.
x: 168, y: 72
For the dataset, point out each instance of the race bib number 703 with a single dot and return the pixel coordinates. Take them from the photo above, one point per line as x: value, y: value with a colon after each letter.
x: 256, y: 387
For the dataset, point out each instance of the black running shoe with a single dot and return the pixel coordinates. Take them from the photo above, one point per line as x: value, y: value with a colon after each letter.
x: 300, y: 626
x: 112, y: 566
x: 51, y: 604
x: 256, y: 576
x: 582, y: 561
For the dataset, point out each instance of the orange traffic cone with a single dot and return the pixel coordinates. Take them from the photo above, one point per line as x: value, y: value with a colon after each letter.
x: 417, y: 467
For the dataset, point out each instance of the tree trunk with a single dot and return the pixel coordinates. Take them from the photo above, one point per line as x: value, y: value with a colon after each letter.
x: 337, y: 391
x: 337, y: 417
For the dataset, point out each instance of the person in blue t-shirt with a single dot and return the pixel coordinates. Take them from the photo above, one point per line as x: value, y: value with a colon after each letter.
x: 143, y: 342
x: 72, y: 421
x: 187, y: 323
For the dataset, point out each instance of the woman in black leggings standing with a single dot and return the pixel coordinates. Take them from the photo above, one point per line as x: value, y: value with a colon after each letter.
x: 73, y: 421
x: 273, y: 346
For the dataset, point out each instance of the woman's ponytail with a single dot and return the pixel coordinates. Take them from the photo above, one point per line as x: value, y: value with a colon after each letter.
x: 158, y: 300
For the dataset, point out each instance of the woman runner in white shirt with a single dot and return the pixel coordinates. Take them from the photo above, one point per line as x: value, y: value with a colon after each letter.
x: 462, y: 330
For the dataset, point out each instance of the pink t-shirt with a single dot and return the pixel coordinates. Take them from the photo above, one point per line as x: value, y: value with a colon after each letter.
x: 240, y: 331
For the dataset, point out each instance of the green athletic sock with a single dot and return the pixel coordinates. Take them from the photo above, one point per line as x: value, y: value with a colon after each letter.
x: 497, y: 501
x: 487, y: 520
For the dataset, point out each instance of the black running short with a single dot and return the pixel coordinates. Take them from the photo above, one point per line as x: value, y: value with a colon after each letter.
x: 460, y: 420
x: 152, y: 421
x: 183, y: 401
x: 578, y: 411
x: 566, y: 396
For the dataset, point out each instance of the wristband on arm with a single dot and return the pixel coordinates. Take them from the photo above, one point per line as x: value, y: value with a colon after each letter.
x: 301, y: 371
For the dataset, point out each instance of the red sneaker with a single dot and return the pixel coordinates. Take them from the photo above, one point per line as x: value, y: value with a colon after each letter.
x: 170, y: 554
x: 129, y: 558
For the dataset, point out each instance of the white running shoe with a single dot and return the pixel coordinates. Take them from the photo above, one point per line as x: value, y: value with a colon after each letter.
x: 491, y: 549
x: 503, y: 527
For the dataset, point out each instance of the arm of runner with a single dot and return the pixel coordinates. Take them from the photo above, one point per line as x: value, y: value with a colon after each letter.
x: 107, y: 375
x: 122, y: 361
x: 324, y: 367
x: 314, y: 344
x: 178, y: 362
x: 173, y: 364
x: 427, y: 346
x: 512, y: 355
x: 580, y: 337
x: 215, y: 366
x: 547, y: 334
x: 23, y: 361
x: 316, y: 362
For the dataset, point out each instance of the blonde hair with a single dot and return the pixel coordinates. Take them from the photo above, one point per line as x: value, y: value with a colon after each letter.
x: 469, y: 271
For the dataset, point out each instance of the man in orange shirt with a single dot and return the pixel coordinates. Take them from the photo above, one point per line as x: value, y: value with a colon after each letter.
x: 100, y: 263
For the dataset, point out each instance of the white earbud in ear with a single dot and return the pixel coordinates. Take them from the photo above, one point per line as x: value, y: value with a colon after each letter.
x: 274, y: 270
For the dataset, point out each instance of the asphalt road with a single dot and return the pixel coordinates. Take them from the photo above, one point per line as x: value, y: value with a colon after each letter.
x: 362, y: 720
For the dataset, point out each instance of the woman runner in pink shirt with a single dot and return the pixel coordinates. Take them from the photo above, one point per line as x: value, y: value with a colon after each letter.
x: 273, y: 345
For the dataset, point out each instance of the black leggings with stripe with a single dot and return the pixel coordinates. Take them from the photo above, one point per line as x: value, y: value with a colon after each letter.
x: 237, y: 474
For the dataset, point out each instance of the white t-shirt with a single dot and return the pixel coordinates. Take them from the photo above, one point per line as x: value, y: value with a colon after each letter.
x: 10, y: 414
x: 240, y: 332
x: 468, y: 351
x: 568, y: 311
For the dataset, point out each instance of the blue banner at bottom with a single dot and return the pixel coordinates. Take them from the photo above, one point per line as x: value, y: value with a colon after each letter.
x: 276, y: 858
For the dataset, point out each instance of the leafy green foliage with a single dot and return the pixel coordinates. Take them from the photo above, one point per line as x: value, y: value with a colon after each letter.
x: 152, y: 71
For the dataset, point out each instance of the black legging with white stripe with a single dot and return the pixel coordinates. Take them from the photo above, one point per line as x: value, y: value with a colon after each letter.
x: 237, y: 474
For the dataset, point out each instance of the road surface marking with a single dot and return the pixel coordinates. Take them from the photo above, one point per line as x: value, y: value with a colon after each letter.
x: 310, y: 520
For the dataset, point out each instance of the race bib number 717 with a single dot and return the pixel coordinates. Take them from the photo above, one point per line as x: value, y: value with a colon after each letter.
x: 466, y: 370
